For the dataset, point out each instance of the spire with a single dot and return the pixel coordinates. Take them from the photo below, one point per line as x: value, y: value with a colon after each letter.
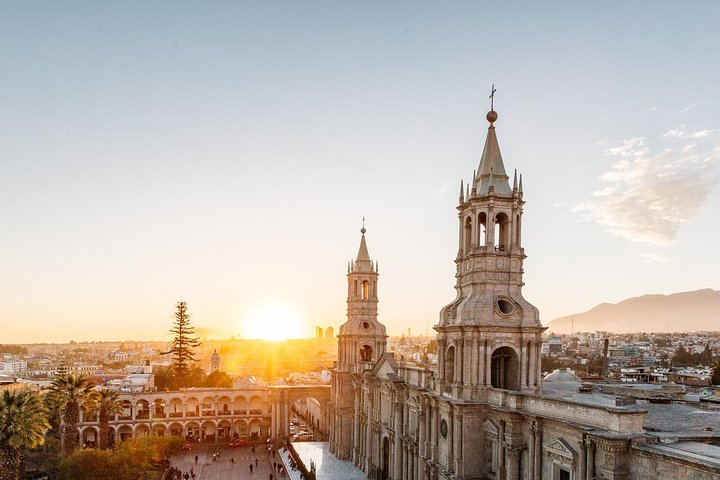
x: 462, y: 192
x: 515, y: 181
x: 520, y: 188
x: 362, y: 262
x: 491, y: 159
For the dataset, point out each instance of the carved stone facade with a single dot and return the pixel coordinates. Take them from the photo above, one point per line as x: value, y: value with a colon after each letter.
x: 483, y: 413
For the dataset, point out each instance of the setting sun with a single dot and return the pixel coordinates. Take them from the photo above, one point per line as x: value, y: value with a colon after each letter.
x: 273, y: 322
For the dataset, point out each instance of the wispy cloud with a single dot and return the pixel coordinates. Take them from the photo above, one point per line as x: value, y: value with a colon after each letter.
x: 688, y: 108
x: 649, y: 192
x: 655, y: 258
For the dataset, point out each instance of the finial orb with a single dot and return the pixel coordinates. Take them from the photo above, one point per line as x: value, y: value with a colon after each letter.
x: 491, y: 116
x: 362, y: 230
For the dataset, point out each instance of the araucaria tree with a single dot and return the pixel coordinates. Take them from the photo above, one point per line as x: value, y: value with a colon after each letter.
x: 183, y: 345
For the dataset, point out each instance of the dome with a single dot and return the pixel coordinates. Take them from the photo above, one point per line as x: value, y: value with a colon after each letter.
x: 562, y: 375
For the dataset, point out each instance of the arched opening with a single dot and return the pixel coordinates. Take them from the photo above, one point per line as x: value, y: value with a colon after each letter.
x: 385, y: 474
x: 468, y: 234
x: 450, y: 364
x: 517, y: 230
x: 126, y: 413
x: 482, y: 229
x: 158, y: 408
x: 366, y: 353
x: 175, y: 408
x: 504, y: 371
x: 501, y: 232
x: 256, y: 405
x: 365, y: 290
x: 355, y: 289
x: 192, y: 407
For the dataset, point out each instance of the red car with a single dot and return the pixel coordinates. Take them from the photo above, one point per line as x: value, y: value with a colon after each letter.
x: 237, y: 443
x: 186, y: 447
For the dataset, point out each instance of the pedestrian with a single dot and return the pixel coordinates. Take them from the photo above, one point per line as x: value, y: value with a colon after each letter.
x: 256, y: 462
x: 196, y: 459
x: 251, y: 467
x: 232, y: 460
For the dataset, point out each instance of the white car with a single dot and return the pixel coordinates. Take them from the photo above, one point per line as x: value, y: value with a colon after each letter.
x: 303, y: 437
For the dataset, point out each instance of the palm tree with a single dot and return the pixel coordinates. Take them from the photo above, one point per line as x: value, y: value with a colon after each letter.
x: 715, y: 368
x: 105, y: 404
x: 73, y: 393
x: 22, y: 425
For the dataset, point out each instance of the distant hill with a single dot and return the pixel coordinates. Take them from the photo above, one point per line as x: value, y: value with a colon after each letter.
x: 678, y: 312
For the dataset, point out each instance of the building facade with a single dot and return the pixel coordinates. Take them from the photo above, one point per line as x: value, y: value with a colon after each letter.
x: 485, y: 413
x: 197, y: 414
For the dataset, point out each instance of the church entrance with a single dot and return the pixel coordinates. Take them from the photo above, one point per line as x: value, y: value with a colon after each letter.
x: 385, y: 474
x: 504, y: 369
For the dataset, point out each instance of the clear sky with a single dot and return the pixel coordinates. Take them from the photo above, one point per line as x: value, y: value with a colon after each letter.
x: 225, y: 153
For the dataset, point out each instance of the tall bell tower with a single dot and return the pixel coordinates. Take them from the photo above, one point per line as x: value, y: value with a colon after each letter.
x: 489, y: 336
x: 362, y: 340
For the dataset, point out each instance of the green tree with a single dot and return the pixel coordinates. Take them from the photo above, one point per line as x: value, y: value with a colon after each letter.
x: 73, y: 392
x: 218, y: 379
x: 715, y: 368
x: 105, y: 404
x: 22, y: 424
x: 183, y: 345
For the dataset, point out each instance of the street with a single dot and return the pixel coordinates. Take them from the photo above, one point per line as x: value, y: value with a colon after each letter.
x: 222, y: 468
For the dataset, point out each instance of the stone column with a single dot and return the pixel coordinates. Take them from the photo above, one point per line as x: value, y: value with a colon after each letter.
x: 537, y: 441
x: 524, y: 357
x: 513, y: 462
x: 451, y: 440
x: 582, y: 464
x: 458, y: 441
x: 398, y: 414
x: 482, y: 367
x: 488, y: 363
x: 501, y: 446
x: 590, y: 462
x: 531, y: 453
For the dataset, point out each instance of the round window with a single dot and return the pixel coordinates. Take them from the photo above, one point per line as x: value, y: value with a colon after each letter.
x: 366, y: 325
x: 505, y: 306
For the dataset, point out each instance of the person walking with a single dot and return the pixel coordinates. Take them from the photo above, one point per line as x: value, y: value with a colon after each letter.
x: 251, y: 467
x: 196, y: 459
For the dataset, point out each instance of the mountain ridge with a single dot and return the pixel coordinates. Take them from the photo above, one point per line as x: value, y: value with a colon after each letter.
x: 696, y: 310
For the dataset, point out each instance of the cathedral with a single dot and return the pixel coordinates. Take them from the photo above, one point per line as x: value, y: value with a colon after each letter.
x: 484, y: 412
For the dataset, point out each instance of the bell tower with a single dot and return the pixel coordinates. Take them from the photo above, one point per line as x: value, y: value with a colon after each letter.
x: 361, y: 342
x: 489, y: 336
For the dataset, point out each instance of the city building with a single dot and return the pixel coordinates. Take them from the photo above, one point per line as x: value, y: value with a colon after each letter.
x: 485, y: 413
x: 214, y: 361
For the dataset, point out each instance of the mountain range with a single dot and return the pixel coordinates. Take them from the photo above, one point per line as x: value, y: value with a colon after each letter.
x: 678, y: 312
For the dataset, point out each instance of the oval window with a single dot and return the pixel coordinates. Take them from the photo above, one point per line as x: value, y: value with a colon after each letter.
x: 505, y: 306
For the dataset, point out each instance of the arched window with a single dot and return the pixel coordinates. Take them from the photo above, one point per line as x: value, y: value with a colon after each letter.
x: 450, y: 364
x: 365, y: 290
x: 517, y: 230
x: 482, y: 229
x: 366, y: 352
x: 355, y: 289
x: 504, y: 369
x: 501, y: 232
x: 468, y: 234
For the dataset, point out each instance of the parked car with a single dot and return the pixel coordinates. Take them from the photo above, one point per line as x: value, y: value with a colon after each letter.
x: 238, y: 443
x: 186, y: 447
x: 303, y: 437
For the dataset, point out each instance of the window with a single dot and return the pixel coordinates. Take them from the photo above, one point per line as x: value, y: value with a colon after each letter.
x: 365, y: 290
x: 366, y: 352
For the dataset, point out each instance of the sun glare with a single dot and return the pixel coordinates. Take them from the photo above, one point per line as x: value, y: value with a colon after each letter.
x: 274, y: 322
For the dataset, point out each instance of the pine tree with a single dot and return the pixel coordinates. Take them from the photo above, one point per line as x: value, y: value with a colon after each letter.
x: 183, y: 344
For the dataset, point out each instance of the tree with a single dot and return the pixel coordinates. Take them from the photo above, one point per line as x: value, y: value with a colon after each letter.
x: 22, y: 424
x: 715, y: 368
x: 218, y: 379
x: 74, y: 393
x: 183, y: 344
x: 105, y: 404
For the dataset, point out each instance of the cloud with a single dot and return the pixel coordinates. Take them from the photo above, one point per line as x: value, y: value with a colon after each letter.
x: 655, y: 258
x: 648, y: 193
x: 688, y: 108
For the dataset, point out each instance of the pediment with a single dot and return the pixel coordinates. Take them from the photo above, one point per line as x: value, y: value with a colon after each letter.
x: 385, y: 368
x: 560, y: 447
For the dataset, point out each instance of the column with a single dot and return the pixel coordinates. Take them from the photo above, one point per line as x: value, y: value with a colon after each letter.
x: 537, y: 441
x: 524, y: 357
x: 488, y: 363
x: 451, y: 440
x: 531, y: 453
x: 513, y: 462
x: 398, y: 438
x: 590, y: 462
x: 582, y: 467
x: 459, y: 362
x: 482, y: 367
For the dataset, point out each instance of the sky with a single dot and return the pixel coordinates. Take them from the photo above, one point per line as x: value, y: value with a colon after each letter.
x: 225, y: 153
